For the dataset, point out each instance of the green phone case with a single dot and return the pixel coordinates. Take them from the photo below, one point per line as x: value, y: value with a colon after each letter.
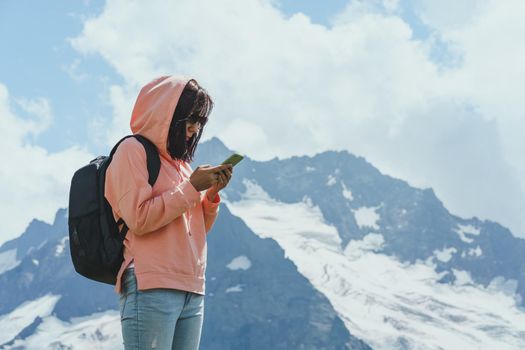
x: 233, y: 159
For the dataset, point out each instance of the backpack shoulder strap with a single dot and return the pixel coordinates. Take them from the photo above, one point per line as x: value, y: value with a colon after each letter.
x: 152, y: 156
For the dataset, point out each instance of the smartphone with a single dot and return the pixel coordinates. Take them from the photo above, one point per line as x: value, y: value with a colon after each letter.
x: 233, y: 159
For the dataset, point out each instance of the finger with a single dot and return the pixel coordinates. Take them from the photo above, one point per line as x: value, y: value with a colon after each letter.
x: 226, y: 181
x: 203, y: 166
x: 219, y: 168
x: 227, y: 174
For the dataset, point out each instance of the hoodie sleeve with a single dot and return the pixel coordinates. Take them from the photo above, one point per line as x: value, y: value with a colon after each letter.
x: 210, y: 210
x: 131, y: 196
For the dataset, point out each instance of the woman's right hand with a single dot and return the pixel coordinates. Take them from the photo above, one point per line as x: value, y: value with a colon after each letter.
x: 205, y: 176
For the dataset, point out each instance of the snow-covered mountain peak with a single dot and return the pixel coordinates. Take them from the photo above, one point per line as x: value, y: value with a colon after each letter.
x: 388, y: 303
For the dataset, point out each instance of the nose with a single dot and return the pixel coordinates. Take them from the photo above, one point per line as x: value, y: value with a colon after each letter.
x: 194, y: 127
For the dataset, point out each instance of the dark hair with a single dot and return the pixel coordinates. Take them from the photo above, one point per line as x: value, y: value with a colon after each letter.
x: 194, y: 105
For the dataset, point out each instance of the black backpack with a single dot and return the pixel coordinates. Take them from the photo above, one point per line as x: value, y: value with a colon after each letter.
x: 95, y: 241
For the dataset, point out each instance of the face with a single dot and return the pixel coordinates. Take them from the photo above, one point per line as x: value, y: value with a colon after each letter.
x: 192, y: 129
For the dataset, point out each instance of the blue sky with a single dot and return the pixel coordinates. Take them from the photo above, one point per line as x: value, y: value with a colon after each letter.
x: 40, y: 62
x: 427, y: 91
x: 39, y: 59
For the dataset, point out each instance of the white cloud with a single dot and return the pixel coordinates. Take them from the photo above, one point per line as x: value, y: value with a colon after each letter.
x: 35, y: 183
x: 40, y: 109
x: 391, y: 5
x: 284, y: 86
x: 73, y: 71
x: 245, y: 132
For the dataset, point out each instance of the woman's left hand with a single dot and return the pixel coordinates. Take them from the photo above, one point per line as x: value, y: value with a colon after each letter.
x: 223, y: 178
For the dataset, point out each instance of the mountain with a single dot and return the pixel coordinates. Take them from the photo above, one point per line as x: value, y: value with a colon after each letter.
x: 401, y: 270
x: 321, y: 252
x: 356, y: 199
x: 256, y: 298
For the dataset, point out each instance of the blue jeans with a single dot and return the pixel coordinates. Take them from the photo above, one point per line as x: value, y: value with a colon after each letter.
x: 159, y: 318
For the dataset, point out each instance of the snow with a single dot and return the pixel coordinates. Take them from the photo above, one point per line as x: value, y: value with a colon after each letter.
x: 14, y: 322
x: 347, y: 193
x: 371, y: 242
x: 8, y: 260
x: 475, y: 252
x: 97, y: 331
x: 462, y: 277
x: 472, y: 252
x: 240, y: 263
x: 297, y: 223
x: 471, y: 230
x: 463, y: 230
x: 331, y: 181
x: 32, y: 249
x: 234, y: 289
x: 308, y: 201
x: 61, y: 246
x: 445, y: 254
x: 309, y: 169
x: 367, y: 217
x: 387, y: 303
x: 509, y: 287
x: 27, y: 277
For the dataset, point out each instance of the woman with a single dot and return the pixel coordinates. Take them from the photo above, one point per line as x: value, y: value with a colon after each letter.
x: 161, y: 281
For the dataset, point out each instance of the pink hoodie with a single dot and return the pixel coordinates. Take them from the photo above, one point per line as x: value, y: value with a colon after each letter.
x: 169, y: 222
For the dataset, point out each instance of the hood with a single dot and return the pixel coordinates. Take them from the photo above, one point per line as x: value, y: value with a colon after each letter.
x: 154, y: 108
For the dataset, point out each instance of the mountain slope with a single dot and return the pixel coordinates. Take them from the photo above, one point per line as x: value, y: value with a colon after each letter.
x: 388, y: 303
x: 256, y: 297
x: 400, y: 269
x: 308, y: 252
x: 357, y: 199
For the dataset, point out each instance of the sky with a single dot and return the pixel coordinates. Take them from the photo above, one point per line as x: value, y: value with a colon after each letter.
x: 429, y: 92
